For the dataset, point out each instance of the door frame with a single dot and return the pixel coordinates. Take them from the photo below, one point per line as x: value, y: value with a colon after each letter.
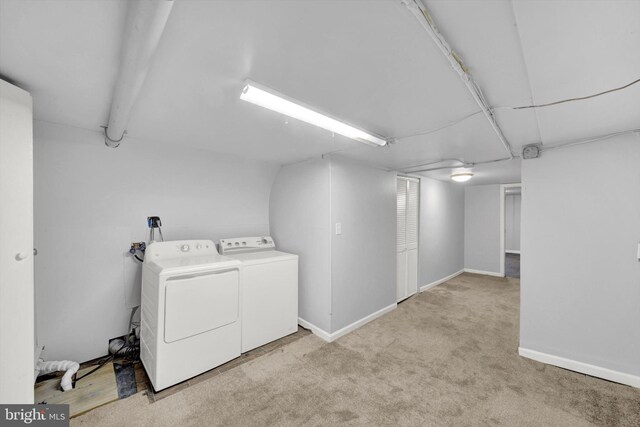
x: 503, y: 234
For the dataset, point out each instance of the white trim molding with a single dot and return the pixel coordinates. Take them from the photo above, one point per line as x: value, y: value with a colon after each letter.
x: 316, y: 330
x: 440, y: 281
x: 485, y: 273
x: 581, y: 367
x: 329, y: 337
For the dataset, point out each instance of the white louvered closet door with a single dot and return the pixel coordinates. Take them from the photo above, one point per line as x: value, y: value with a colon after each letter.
x: 407, y: 237
x: 401, y: 250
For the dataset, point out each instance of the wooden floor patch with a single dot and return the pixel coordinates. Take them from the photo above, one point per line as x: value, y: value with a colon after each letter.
x: 97, y: 389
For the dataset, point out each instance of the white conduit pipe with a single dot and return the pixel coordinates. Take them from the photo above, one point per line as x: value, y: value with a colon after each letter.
x: 146, y: 20
x: 422, y: 15
x: 411, y: 169
x: 58, y: 366
x: 465, y: 165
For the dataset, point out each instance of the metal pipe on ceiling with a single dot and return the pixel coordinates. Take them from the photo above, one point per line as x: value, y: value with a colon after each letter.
x: 544, y: 149
x: 146, y: 20
x: 588, y: 140
x: 463, y: 166
x: 422, y: 15
x: 434, y: 162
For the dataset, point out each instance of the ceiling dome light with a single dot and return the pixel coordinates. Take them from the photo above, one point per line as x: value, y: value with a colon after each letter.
x: 461, y: 176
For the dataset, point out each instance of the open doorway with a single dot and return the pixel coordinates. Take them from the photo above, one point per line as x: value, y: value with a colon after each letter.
x: 511, y: 199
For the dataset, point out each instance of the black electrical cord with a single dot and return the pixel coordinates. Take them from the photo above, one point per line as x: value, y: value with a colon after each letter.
x: 138, y: 258
x: 131, y: 349
x: 101, y: 364
x: 578, y: 99
x: 131, y: 353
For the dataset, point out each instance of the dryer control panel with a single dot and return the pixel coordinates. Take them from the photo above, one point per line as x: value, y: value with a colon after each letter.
x: 246, y: 244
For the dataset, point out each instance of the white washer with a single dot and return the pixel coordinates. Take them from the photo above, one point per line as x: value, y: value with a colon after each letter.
x: 190, y: 321
x: 269, y: 289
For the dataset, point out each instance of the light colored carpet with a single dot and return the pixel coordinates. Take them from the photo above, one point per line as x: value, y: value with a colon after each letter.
x: 447, y: 356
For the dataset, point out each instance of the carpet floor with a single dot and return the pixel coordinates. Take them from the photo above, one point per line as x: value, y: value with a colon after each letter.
x: 448, y: 356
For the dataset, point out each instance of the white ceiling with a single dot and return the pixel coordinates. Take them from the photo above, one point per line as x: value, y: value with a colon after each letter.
x: 367, y: 62
x: 576, y: 48
x: 66, y: 54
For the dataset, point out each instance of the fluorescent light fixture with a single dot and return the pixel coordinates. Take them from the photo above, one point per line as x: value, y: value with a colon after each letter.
x: 268, y: 98
x: 461, y: 176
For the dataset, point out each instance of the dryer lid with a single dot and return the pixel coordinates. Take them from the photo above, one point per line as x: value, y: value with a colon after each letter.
x: 260, y: 257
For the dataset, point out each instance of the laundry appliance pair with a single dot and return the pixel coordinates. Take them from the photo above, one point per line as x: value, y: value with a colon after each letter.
x: 201, y: 309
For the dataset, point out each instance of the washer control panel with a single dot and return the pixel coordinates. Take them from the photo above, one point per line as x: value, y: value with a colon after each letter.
x: 246, y: 244
x: 180, y: 248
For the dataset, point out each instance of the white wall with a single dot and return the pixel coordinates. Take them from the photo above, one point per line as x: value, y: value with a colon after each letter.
x: 299, y: 213
x: 363, y: 257
x: 343, y: 278
x: 91, y: 202
x: 441, y: 250
x: 482, y: 228
x: 580, y: 286
x: 512, y: 222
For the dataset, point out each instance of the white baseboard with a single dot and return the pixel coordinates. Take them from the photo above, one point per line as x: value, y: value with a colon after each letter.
x: 584, y: 368
x: 329, y: 337
x: 358, y: 323
x: 316, y: 330
x: 486, y: 273
x: 437, y: 282
x: 512, y: 252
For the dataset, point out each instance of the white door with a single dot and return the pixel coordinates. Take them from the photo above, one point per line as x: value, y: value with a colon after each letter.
x: 16, y: 246
x: 407, y: 237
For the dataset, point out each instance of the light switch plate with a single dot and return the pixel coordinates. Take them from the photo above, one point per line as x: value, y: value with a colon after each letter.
x: 338, y: 228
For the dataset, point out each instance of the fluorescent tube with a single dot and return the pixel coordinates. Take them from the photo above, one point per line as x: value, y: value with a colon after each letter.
x: 268, y: 98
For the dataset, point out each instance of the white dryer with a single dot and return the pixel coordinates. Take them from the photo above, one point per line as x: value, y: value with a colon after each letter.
x: 269, y: 289
x: 190, y: 321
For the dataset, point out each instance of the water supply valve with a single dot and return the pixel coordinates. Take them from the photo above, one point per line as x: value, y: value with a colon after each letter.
x: 154, y: 222
x: 137, y: 246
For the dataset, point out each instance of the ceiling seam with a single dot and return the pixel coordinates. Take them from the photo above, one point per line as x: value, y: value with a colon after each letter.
x: 419, y: 10
x: 526, y: 68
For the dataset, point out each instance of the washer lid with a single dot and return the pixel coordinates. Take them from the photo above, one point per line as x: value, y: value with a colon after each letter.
x: 181, y: 265
x: 261, y: 257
